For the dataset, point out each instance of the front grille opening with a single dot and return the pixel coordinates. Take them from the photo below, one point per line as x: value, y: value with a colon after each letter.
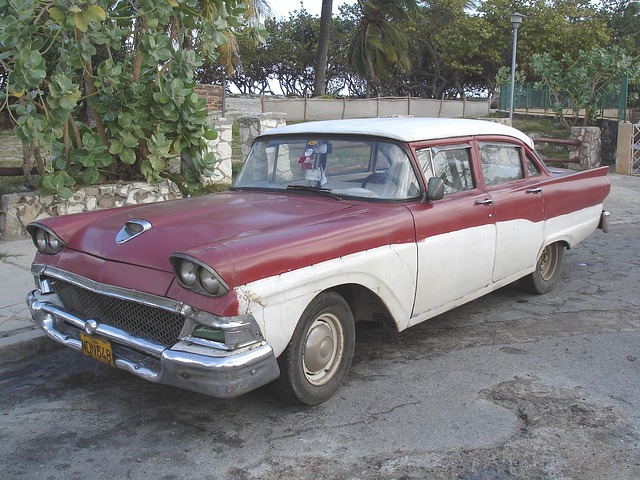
x: 143, y: 321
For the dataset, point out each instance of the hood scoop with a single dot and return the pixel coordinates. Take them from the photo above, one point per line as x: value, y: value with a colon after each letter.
x: 132, y: 229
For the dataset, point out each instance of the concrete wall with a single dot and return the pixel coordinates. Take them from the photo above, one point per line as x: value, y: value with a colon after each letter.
x: 300, y: 109
x: 624, y: 160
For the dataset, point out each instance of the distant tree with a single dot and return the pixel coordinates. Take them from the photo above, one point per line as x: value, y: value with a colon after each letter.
x: 448, y: 50
x: 584, y: 79
x: 556, y: 27
x: 380, y: 47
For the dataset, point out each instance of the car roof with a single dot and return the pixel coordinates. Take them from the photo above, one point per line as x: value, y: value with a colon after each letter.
x: 404, y: 129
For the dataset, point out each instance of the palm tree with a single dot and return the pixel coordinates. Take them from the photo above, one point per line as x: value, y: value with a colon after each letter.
x: 380, y: 45
x: 320, y: 83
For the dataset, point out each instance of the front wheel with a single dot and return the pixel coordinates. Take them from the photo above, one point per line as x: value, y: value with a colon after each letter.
x: 547, y: 272
x: 319, y: 354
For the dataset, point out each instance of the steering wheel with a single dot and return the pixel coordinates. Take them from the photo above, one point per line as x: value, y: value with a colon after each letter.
x: 375, y: 178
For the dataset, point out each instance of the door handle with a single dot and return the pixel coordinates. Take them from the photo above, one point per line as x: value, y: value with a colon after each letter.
x: 534, y: 190
x: 486, y: 201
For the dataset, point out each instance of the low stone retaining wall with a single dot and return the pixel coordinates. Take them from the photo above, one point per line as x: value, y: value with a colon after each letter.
x: 250, y: 126
x: 18, y: 209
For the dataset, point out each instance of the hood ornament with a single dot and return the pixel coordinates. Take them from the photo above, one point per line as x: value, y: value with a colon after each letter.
x: 132, y: 229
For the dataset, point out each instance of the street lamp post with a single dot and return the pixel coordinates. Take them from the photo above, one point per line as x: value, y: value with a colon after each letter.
x: 516, y: 18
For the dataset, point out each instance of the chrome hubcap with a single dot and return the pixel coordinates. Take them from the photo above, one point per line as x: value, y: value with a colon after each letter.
x: 548, y: 262
x: 323, y: 349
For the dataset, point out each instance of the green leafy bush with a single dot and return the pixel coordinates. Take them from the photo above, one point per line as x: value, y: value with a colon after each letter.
x: 106, y: 87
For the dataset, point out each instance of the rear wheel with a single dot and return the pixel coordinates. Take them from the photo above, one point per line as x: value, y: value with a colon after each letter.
x: 319, y: 354
x: 547, y: 272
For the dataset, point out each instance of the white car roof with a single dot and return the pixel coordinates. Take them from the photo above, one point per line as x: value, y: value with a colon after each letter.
x: 404, y: 129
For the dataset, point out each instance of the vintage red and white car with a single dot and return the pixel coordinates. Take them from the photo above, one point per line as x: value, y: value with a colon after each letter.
x: 327, y: 224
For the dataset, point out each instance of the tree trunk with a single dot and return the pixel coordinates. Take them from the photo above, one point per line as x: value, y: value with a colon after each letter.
x: 320, y: 84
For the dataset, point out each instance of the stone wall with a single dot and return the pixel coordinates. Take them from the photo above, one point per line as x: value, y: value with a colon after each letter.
x: 18, y: 209
x: 221, y: 147
x: 250, y: 126
x: 589, y: 150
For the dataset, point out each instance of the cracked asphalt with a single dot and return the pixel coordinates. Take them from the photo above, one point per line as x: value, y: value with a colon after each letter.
x: 510, y: 386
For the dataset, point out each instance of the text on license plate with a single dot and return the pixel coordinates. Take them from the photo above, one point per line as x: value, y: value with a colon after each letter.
x: 97, y: 348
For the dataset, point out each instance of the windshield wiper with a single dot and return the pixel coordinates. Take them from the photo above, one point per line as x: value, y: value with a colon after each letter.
x: 314, y: 190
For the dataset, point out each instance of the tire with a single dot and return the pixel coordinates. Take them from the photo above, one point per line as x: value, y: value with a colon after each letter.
x: 547, y: 272
x: 319, y: 354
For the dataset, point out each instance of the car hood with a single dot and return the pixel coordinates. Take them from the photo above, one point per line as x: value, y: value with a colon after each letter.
x: 243, y: 235
x: 188, y: 224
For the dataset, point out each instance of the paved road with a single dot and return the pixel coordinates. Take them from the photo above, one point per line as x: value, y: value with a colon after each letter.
x: 511, y: 386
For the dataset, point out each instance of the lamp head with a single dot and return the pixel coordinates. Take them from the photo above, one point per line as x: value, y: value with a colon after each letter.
x: 516, y: 18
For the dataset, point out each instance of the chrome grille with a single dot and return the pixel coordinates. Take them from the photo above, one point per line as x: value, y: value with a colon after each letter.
x: 144, y: 321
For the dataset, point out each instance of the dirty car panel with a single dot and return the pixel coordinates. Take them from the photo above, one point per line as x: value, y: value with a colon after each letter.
x: 328, y: 223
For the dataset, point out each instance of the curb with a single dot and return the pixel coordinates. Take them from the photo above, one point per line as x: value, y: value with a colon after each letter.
x: 26, y: 344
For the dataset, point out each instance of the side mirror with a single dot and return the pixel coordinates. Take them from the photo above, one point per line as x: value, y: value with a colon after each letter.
x: 435, y: 189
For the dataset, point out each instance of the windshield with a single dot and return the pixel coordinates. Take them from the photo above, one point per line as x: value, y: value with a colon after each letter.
x: 340, y: 167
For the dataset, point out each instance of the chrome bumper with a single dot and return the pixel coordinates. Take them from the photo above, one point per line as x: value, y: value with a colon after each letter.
x: 202, y: 369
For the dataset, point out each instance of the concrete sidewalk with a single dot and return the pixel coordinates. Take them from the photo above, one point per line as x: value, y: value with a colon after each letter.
x: 20, y: 338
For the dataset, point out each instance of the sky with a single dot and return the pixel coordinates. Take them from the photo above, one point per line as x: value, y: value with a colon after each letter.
x: 282, y: 8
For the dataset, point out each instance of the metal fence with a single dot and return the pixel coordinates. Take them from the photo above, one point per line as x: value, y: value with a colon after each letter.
x: 528, y: 98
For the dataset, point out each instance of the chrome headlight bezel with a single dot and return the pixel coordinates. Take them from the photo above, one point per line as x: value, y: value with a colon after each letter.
x: 45, y: 240
x: 197, y: 277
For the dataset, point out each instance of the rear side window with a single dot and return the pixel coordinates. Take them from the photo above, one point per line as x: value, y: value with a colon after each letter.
x: 501, y: 163
x: 451, y: 163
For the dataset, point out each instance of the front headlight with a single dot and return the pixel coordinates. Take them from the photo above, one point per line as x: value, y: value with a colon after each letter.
x: 197, y: 277
x: 44, y: 239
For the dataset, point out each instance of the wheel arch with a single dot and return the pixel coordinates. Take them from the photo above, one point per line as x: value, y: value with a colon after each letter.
x: 365, y: 304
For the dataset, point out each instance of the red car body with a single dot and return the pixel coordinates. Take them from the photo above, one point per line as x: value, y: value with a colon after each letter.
x: 395, y: 218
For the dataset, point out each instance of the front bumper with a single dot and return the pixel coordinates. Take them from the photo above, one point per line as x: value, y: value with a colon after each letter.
x: 199, y: 368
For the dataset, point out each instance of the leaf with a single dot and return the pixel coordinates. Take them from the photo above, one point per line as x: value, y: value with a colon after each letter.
x: 64, y: 192
x: 57, y: 14
x: 81, y: 22
x: 80, y: 157
x: 68, y: 102
x: 90, y: 175
x: 102, y: 160
x: 95, y: 13
x: 210, y: 134
x: 116, y: 147
x: 157, y: 162
x: 173, y: 3
x: 129, y: 139
x: 128, y: 156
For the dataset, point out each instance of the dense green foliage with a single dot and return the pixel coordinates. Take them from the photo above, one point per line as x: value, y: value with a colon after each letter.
x: 432, y: 48
x: 583, y: 80
x: 106, y: 87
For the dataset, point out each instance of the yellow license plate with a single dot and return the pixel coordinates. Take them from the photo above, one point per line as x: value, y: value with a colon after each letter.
x: 97, y: 348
